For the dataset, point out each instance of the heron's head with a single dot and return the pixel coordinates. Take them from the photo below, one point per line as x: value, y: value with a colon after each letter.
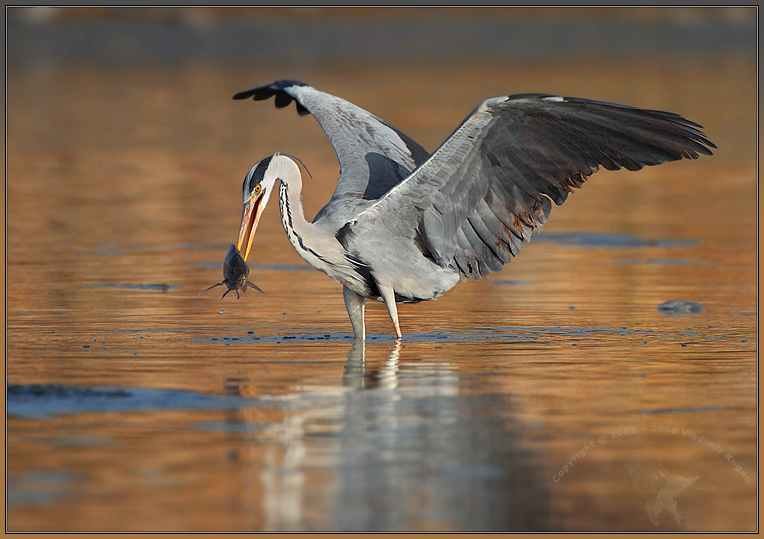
x: 258, y: 185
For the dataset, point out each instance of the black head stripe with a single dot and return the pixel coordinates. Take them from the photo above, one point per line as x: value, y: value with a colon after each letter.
x: 255, y: 177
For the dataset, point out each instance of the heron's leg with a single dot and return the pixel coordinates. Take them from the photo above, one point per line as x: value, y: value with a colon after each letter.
x: 355, y: 304
x: 388, y: 296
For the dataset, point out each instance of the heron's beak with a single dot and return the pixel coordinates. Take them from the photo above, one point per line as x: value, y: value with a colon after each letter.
x: 250, y: 217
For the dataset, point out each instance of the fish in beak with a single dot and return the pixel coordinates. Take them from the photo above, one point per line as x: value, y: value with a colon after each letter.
x: 235, y: 274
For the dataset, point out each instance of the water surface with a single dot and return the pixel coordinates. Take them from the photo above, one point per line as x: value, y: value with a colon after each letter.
x: 134, y: 403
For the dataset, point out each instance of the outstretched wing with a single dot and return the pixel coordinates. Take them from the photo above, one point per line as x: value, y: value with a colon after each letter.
x: 645, y: 469
x: 373, y: 156
x: 490, y: 185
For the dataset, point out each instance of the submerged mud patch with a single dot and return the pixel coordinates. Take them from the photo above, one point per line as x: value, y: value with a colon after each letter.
x: 677, y: 306
x: 37, y: 401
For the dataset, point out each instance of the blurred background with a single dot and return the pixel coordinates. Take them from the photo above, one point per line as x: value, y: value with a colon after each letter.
x: 134, y: 79
x: 136, y: 404
x: 328, y: 36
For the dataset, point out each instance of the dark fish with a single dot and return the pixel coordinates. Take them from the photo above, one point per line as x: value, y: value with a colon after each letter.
x: 235, y: 273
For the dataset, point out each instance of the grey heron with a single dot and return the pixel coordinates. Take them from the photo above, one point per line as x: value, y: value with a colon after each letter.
x: 404, y: 225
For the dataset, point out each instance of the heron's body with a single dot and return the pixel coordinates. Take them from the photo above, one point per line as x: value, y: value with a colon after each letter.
x: 406, y: 226
x: 366, y: 258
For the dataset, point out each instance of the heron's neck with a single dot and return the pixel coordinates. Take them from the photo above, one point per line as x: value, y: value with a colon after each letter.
x: 298, y: 229
x: 290, y: 203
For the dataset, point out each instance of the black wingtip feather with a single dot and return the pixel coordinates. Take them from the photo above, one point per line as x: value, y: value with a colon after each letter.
x: 246, y: 94
x: 282, y: 99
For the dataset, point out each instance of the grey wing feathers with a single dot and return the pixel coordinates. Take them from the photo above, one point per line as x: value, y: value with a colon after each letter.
x: 373, y: 155
x: 490, y: 185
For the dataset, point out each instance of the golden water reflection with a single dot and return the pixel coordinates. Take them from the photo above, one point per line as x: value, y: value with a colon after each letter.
x: 259, y: 414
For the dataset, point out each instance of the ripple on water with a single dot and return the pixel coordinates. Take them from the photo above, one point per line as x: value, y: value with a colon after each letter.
x: 605, y: 239
x: 160, y: 287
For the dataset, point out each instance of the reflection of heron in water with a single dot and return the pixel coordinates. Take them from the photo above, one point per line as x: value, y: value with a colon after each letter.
x: 394, y: 445
x: 655, y: 483
x: 358, y: 376
x: 405, y: 226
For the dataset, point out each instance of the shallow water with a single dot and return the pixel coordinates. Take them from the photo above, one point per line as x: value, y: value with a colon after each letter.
x: 134, y: 403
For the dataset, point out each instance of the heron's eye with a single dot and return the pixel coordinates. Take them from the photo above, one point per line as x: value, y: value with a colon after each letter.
x: 258, y: 188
